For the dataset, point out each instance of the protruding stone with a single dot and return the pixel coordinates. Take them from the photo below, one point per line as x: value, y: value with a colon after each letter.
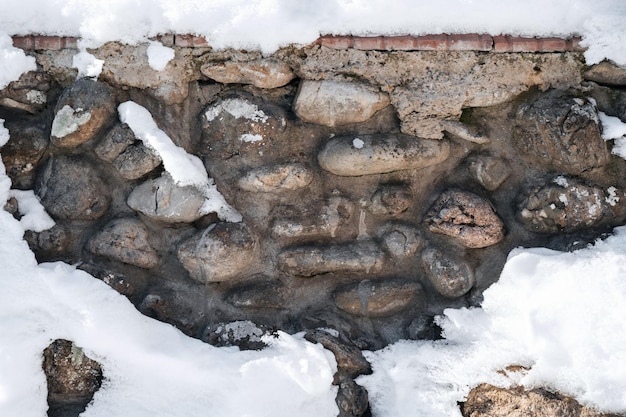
x: 115, y: 142
x: 350, y: 359
x: 391, y: 200
x: 125, y: 240
x: 136, y: 161
x: 51, y: 242
x: 378, y: 298
x: 352, y: 399
x: 260, y: 294
x: 489, y: 172
x: 72, y: 189
x: 566, y: 205
x: 379, y: 154
x: 276, y: 178
x: 262, y: 73
x: 465, y: 132
x: 400, y: 240
x: 468, y: 218
x: 336, y: 103
x: 29, y: 93
x: 608, y: 73
x: 361, y: 256
x: 450, y: 276
x: 82, y: 111
x: 22, y: 154
x: 163, y: 200
x: 561, y: 131
x: 220, y: 253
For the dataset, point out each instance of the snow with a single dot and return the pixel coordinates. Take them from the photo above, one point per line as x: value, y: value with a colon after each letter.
x: 87, y: 64
x: 185, y: 169
x: 13, y: 61
x: 250, y: 138
x: 614, y: 128
x: 159, y: 55
x: 358, y: 143
x: 34, y: 216
x: 238, y: 108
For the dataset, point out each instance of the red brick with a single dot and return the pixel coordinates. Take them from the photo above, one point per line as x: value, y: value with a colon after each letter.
x: 190, y: 41
x: 553, y: 45
x: 400, y: 43
x: 23, y: 42
x: 431, y: 43
x: 336, y: 42
x: 470, y: 42
x: 70, y: 42
x: 368, y: 43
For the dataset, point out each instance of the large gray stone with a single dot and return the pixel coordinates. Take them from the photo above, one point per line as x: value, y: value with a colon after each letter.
x: 136, y: 161
x: 70, y: 188
x: 163, y: 200
x: 262, y: 73
x: 606, y: 72
x: 259, y: 294
x: 312, y: 220
x: 451, y: 276
x: 561, y: 132
x: 361, y: 256
x: 81, y: 113
x: 468, y: 218
x: 378, y: 298
x: 336, y: 103
x: 125, y: 240
x: 379, y: 154
x: 22, y: 154
x: 115, y: 142
x: 221, y: 252
x: 276, y: 178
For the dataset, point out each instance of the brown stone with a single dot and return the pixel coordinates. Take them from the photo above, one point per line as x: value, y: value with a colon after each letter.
x: 380, y: 298
x: 276, y: 178
x: 606, y: 72
x: 350, y: 359
x: 452, y: 277
x: 262, y: 73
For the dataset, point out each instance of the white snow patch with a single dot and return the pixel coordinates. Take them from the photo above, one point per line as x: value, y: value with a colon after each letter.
x: 563, y: 199
x: 612, y: 199
x: 238, y: 108
x: 159, y: 55
x: 358, y: 143
x: 34, y: 216
x: 561, y: 180
x: 250, y: 138
x: 185, y: 169
x: 614, y: 128
x: 13, y: 61
x: 37, y: 97
x: 4, y: 134
x: 87, y: 64
x: 68, y: 120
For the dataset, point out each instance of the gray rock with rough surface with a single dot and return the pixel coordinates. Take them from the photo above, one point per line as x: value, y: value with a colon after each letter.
x: 276, y: 178
x: 262, y: 73
x: 400, y: 240
x: 136, y: 161
x: 115, y: 142
x: 306, y: 261
x: 350, y: 359
x: 451, y: 276
x: 163, y: 200
x: 259, y: 294
x: 606, y: 72
x: 466, y: 217
x: 391, y: 200
x: 379, y: 154
x: 490, y: 172
x: 29, y: 93
x: 221, y: 252
x: 380, y: 298
x: 312, y: 220
x: 125, y: 240
x: 336, y: 103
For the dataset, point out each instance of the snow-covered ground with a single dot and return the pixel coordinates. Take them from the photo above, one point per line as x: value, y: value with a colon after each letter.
x: 560, y: 314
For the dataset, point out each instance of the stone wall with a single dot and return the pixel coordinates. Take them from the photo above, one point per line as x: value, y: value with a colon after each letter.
x: 375, y: 187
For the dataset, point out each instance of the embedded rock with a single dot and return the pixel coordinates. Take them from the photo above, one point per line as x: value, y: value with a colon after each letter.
x: 561, y: 131
x: 336, y: 103
x: 72, y: 377
x: 161, y: 199
x: 29, y: 93
x: 380, y: 298
x: 350, y: 359
x: 352, y: 399
x: 115, y: 142
x: 465, y: 132
x: 263, y: 294
x: 391, y: 200
x: 608, y: 73
x: 22, y: 154
x: 51, y: 242
x: 262, y: 73
x: 70, y: 188
x: 312, y: 220
x: 489, y: 172
x: 241, y: 333
x: 276, y: 178
x: 466, y: 217
x: 450, y: 276
x: 379, y: 154
x: 125, y: 240
x: 136, y: 161
x: 400, y: 240
x: 221, y: 252
x: 567, y: 205
x: 82, y: 111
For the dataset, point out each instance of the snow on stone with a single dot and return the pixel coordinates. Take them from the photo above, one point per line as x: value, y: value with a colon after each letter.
x: 13, y: 61
x: 557, y: 313
x: 238, y: 108
x: 185, y: 169
x: 614, y: 128
x: 159, y: 55
x: 561, y: 180
x: 68, y: 120
x: 34, y: 216
x: 87, y: 64
x: 612, y: 199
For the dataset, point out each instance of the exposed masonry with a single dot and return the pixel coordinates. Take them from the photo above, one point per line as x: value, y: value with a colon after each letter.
x: 441, y: 42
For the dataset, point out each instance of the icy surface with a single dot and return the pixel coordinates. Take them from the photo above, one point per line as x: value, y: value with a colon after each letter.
x: 159, y: 56
x: 185, y: 169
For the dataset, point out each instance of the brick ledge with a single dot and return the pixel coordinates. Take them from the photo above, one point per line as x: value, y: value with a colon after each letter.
x: 441, y: 42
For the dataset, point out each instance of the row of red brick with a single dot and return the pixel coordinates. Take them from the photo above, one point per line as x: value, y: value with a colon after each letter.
x: 443, y: 42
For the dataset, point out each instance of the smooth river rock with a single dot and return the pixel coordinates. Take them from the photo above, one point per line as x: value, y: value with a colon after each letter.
x: 262, y: 73
x: 275, y: 178
x: 451, y: 276
x: 378, y: 298
x: 378, y: 154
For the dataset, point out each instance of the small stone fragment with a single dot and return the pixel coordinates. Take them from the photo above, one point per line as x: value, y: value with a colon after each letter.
x: 361, y: 256
x: 489, y: 172
x: 161, y: 199
x: 220, y: 253
x: 136, y: 161
x: 70, y: 188
x: 607, y: 73
x: 12, y: 207
x: 282, y: 177
x: 82, y: 111
x: 264, y: 294
x: 561, y: 132
x: 125, y: 240
x: 352, y: 399
x: 262, y: 73
x: 465, y: 132
x: 336, y: 103
x: 378, y: 298
x: 400, y: 240
x: 312, y: 220
x: 566, y: 205
x: 115, y: 142
x: 382, y: 153
x: 450, y: 276
x: 468, y: 218
x: 391, y: 200
x: 350, y: 359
